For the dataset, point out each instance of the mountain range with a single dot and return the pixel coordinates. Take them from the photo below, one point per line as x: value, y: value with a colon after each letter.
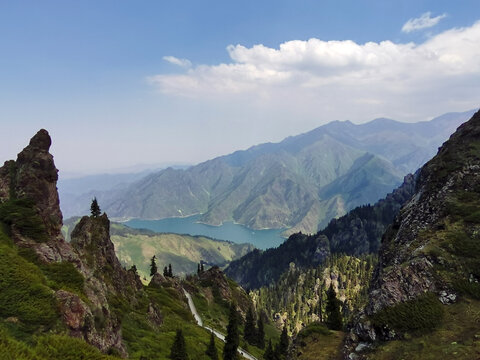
x: 299, y: 184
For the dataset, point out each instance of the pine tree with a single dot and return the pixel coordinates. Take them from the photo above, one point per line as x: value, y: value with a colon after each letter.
x: 212, y: 349
x: 179, y: 349
x: 269, y: 355
x: 232, y: 339
x: 153, y: 266
x: 165, y: 271
x: 198, y: 269
x: 282, y: 347
x: 170, y: 272
x: 249, y: 331
x: 334, y: 317
x: 95, y: 208
x: 260, y: 333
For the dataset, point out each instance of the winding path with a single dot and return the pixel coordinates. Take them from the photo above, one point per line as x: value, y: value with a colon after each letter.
x: 219, y: 335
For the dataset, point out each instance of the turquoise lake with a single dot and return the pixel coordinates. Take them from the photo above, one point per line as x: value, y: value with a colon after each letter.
x: 262, y: 239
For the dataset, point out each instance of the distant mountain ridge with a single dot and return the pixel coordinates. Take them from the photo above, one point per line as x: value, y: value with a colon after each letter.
x: 300, y: 183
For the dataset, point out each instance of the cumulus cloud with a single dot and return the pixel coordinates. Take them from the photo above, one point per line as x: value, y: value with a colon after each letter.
x: 176, y: 61
x: 342, y: 79
x: 423, y: 22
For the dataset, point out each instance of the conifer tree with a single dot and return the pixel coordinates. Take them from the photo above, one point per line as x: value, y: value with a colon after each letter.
x: 153, y: 266
x: 95, y: 208
x: 334, y: 317
x: 282, y: 346
x: 201, y: 266
x: 179, y: 349
x: 198, y: 269
x: 232, y: 339
x: 170, y: 272
x: 165, y: 271
x: 249, y: 331
x: 212, y: 349
x: 260, y: 333
x: 269, y: 355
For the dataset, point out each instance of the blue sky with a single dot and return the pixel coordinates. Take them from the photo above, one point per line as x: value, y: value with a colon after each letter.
x: 120, y: 83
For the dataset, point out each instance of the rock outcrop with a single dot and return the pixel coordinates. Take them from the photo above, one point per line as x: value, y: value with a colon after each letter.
x: 432, y: 246
x: 29, y: 183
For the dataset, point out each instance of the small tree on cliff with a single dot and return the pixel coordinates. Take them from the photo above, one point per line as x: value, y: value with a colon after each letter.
x: 153, y: 266
x: 95, y: 208
x: 334, y: 317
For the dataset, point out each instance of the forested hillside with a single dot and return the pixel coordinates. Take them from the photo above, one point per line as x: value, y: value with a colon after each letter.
x: 299, y: 297
x: 359, y: 232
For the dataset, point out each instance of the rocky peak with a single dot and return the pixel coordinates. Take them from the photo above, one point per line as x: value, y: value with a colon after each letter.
x: 41, y: 141
x: 91, y: 239
x: 29, y: 185
x: 34, y: 176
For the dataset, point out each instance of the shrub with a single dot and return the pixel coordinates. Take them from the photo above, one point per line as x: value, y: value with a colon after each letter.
x: 21, y: 213
x: 419, y: 315
x: 314, y: 328
x: 34, y: 303
x: 65, y: 276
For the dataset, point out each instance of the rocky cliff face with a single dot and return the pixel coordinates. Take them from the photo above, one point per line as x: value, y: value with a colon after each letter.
x: 35, y: 176
x: 29, y: 185
x: 433, y: 246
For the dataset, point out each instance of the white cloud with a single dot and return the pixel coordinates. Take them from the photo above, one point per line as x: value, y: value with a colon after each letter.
x: 176, y: 61
x: 423, y: 22
x: 341, y: 79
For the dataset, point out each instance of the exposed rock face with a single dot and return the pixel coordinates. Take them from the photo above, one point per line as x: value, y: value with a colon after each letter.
x: 407, y: 265
x: 215, y: 276
x: 91, y: 239
x: 36, y: 178
x: 33, y: 176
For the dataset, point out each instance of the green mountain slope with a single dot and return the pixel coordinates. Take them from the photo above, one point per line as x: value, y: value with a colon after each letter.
x: 300, y: 183
x: 184, y: 252
x: 74, y: 300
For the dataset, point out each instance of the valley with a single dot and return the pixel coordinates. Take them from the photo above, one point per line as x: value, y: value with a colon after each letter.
x: 383, y: 281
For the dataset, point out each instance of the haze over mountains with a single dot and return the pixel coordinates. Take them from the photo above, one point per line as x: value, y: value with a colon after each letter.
x: 299, y: 183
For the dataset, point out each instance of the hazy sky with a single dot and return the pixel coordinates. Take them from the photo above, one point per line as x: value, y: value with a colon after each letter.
x: 119, y: 83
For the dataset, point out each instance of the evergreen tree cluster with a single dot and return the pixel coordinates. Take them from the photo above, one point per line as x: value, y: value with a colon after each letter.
x: 200, y: 268
x: 167, y: 271
x: 303, y: 293
x: 357, y: 233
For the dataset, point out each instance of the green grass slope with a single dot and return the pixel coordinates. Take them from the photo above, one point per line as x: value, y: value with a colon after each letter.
x: 184, y: 252
x: 31, y: 327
